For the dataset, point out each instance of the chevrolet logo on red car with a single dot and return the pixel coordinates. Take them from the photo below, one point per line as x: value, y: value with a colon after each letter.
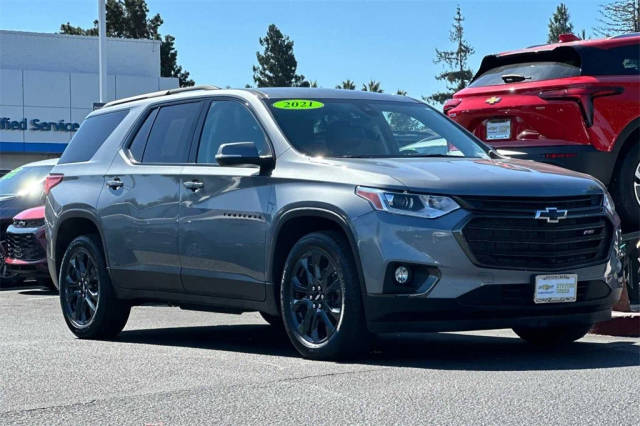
x: 493, y: 100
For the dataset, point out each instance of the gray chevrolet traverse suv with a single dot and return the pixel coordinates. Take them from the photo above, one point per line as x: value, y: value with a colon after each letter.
x: 335, y: 214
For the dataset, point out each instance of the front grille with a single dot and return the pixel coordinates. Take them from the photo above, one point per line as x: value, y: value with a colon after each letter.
x: 497, y: 205
x: 24, y: 247
x: 503, y: 233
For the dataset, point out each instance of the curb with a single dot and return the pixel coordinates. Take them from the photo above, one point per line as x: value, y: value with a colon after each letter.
x: 624, y: 324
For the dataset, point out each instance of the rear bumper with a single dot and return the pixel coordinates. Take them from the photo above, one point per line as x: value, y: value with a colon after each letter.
x: 488, y: 307
x: 580, y: 158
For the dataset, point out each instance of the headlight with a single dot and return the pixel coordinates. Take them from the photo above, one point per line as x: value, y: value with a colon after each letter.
x: 428, y: 206
x: 608, y: 204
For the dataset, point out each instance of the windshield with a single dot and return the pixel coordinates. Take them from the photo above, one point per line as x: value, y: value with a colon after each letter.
x: 24, y: 181
x: 364, y: 128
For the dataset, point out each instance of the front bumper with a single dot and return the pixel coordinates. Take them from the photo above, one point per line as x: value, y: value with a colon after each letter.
x: 464, y: 296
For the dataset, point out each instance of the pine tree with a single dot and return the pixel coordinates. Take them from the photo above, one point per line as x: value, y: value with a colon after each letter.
x: 458, y: 75
x: 559, y: 23
x: 619, y: 17
x: 277, y: 64
x: 128, y: 19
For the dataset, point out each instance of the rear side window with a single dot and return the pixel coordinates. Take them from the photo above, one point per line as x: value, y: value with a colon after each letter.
x: 91, y: 135
x: 623, y: 60
x: 525, y: 72
x: 140, y: 141
x: 170, y: 137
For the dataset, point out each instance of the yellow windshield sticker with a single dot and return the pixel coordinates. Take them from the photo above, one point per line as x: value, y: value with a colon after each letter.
x: 298, y: 104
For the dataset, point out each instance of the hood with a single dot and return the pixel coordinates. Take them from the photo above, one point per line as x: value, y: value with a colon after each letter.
x: 31, y: 214
x: 475, y: 176
x: 11, y: 205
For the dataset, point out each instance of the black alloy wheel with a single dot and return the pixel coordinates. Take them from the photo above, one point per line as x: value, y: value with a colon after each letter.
x: 81, y: 295
x: 316, y: 296
x: 320, y: 298
x: 89, y: 303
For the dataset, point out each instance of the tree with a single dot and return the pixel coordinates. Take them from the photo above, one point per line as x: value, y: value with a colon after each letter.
x: 401, y: 92
x: 559, y: 23
x: 277, y: 64
x: 619, y: 17
x: 372, y: 86
x: 347, y: 85
x: 128, y: 19
x: 458, y: 75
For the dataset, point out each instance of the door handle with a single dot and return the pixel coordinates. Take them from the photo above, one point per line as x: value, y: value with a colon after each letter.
x: 193, y: 185
x: 115, y: 183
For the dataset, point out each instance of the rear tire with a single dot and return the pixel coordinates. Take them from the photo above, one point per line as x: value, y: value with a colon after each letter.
x: 321, y: 299
x: 89, y: 303
x: 552, y: 336
x: 625, y: 189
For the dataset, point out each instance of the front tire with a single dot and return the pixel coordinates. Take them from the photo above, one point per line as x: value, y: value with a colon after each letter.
x: 89, y: 303
x: 321, y: 300
x: 552, y: 336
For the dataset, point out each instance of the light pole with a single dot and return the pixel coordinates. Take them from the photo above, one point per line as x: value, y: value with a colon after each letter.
x: 102, y: 46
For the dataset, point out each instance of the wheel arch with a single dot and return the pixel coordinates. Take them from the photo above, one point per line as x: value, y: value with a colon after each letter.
x: 70, y: 225
x: 293, y: 224
x: 623, y: 143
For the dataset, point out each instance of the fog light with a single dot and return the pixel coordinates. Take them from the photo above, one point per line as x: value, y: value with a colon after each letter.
x: 402, y: 274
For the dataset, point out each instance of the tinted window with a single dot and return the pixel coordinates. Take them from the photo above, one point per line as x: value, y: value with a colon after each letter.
x: 363, y: 128
x: 140, y: 141
x: 24, y: 181
x: 525, y: 72
x: 228, y: 121
x: 624, y: 60
x: 171, y: 134
x: 91, y: 135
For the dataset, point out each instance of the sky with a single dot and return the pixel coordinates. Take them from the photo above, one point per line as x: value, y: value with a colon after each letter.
x: 390, y: 41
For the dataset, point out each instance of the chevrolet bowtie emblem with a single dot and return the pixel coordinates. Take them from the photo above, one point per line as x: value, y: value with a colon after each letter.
x: 493, y: 100
x: 551, y: 215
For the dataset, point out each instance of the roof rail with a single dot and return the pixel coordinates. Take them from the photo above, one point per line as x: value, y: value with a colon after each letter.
x: 158, y: 93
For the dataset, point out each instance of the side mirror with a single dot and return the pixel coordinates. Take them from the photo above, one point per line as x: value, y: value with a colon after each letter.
x: 243, y: 154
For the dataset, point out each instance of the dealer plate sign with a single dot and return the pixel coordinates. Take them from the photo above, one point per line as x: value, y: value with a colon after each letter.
x: 557, y: 288
x: 498, y: 129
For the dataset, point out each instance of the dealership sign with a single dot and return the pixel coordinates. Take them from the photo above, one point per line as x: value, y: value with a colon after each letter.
x: 38, y: 125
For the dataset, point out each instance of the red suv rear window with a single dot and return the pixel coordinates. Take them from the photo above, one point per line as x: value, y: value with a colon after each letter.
x: 525, y: 72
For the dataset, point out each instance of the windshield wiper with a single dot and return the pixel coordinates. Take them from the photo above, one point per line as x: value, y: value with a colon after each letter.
x: 514, y: 78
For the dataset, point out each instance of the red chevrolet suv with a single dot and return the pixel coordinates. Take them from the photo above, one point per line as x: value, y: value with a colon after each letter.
x: 575, y: 103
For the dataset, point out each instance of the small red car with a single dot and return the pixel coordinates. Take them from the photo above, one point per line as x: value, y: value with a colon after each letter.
x: 575, y: 103
x: 26, y: 246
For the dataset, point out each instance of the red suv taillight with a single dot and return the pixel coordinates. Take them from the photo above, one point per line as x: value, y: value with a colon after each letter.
x: 451, y: 104
x: 51, y: 181
x: 583, y: 95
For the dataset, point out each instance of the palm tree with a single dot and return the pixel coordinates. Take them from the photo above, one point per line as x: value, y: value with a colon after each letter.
x: 347, y: 85
x: 372, y: 86
x: 401, y: 92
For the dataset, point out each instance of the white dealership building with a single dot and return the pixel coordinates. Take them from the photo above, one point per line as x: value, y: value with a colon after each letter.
x: 49, y: 83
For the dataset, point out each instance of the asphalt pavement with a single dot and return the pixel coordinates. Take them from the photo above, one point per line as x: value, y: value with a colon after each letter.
x: 171, y: 366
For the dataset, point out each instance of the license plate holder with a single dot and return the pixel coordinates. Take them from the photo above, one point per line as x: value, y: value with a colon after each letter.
x: 556, y: 288
x: 498, y: 129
